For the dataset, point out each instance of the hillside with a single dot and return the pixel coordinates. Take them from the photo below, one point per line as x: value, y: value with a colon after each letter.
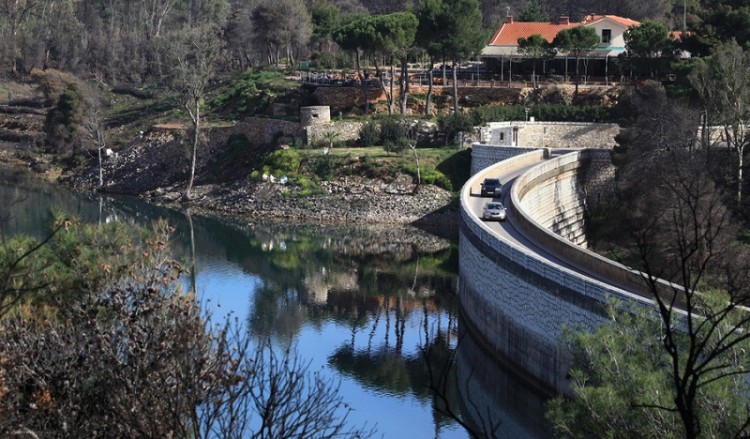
x: 148, y: 138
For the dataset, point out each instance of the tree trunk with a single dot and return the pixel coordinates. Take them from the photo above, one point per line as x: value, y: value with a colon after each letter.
x: 740, y: 152
x: 416, y: 162
x: 390, y: 86
x: 14, y: 49
x: 575, y: 93
x: 403, y: 86
x: 362, y: 81
x: 195, y: 112
x: 736, y: 141
x: 510, y: 72
x: 384, y: 87
x: 428, y: 99
x: 455, y: 88
x: 101, y: 170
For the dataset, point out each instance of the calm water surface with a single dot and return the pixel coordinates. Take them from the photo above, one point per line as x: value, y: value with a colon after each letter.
x: 357, y: 304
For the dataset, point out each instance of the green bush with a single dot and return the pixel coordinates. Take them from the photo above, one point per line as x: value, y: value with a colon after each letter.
x: 547, y: 111
x: 393, y: 132
x: 437, y: 178
x: 307, y: 186
x: 251, y: 93
x: 63, y: 120
x: 497, y: 113
x: 454, y: 123
x: 323, y: 167
x: 284, y: 161
x: 369, y: 134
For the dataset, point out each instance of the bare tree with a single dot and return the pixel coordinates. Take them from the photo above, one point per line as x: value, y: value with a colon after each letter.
x: 16, y: 13
x: 138, y: 358
x: 724, y: 88
x: 195, y: 51
x: 696, y: 354
x: 691, y: 242
x: 92, y: 125
x: 283, y: 25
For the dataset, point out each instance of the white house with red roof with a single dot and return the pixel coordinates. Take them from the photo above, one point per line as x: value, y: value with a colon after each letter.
x: 610, y: 28
x: 502, y: 51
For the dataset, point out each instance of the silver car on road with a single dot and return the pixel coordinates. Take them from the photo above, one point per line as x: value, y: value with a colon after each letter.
x: 494, y: 210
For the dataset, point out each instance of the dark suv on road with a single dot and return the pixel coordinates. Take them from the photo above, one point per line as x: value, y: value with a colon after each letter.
x: 491, y: 187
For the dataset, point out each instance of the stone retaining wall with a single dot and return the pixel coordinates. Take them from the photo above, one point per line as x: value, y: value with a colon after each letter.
x: 265, y: 130
x: 345, y: 130
x: 344, y: 98
x: 555, y: 134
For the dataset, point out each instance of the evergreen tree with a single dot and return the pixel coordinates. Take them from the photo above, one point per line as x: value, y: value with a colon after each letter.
x: 534, y: 13
x: 577, y: 41
x: 462, y: 36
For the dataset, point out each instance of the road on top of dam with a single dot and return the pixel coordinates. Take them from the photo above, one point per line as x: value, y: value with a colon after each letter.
x: 510, y: 230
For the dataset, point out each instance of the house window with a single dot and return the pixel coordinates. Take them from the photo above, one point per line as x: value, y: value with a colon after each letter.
x: 606, y: 35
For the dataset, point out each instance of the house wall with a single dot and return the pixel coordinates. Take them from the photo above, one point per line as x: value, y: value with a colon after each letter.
x: 617, y: 44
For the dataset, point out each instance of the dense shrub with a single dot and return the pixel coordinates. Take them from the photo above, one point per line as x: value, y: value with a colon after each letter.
x: 453, y: 124
x: 63, y: 121
x: 369, y: 134
x: 238, y: 146
x: 497, y: 113
x: 393, y: 131
x: 323, y: 167
x: 307, y: 186
x: 546, y: 112
x: 437, y: 178
x: 251, y: 93
x: 283, y: 162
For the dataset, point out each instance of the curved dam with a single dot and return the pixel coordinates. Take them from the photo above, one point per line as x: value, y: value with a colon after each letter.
x: 525, y: 280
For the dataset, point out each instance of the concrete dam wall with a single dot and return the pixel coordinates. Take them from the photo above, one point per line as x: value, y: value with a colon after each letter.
x: 519, y: 302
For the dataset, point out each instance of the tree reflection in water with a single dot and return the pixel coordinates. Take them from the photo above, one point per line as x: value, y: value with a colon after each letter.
x: 385, y: 290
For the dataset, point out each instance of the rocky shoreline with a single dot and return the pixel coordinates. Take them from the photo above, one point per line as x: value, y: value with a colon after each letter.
x: 148, y: 169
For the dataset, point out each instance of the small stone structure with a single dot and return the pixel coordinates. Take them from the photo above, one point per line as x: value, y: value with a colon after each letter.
x: 315, y: 115
x: 315, y: 122
x: 505, y: 135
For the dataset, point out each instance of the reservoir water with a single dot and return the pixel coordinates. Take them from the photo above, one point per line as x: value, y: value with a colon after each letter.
x: 358, y: 304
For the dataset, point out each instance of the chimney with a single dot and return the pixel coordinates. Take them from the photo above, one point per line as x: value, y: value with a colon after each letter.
x: 509, y: 19
x: 564, y: 19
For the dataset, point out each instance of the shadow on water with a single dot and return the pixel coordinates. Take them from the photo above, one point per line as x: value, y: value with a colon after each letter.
x: 492, y: 393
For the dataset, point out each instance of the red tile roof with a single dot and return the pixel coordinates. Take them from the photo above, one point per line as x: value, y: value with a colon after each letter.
x: 589, y: 19
x: 510, y: 32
